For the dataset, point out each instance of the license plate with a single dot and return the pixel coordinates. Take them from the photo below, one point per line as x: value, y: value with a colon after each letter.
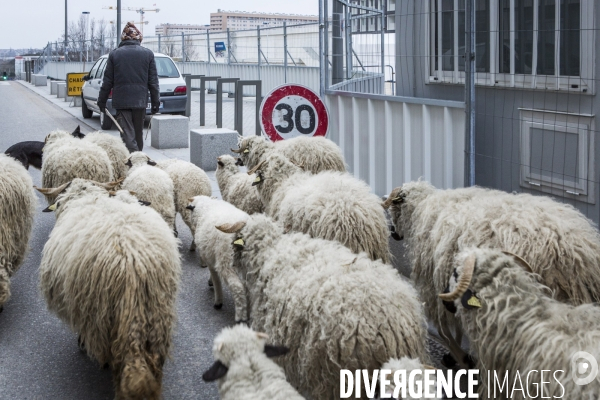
x: 150, y: 105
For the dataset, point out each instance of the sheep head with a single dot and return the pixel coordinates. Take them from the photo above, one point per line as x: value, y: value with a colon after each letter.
x: 396, y: 197
x: 239, y: 343
x: 138, y: 158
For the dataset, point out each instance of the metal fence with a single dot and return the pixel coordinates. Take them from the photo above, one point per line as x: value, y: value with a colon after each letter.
x: 532, y: 105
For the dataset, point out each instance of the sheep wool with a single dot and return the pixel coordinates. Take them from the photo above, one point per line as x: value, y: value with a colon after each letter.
x: 236, y: 187
x: 409, y: 364
x: 151, y: 184
x: 329, y: 205
x: 114, y: 148
x: 315, y: 154
x: 215, y: 249
x: 188, y: 181
x: 244, y: 370
x: 559, y: 242
x: 110, y: 270
x: 332, y: 308
x: 516, y: 328
x: 18, y: 204
x: 67, y: 158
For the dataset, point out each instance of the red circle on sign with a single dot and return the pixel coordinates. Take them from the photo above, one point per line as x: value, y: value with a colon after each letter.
x: 271, y: 100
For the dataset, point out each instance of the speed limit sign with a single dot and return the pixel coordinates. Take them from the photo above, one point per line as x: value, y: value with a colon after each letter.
x: 292, y: 110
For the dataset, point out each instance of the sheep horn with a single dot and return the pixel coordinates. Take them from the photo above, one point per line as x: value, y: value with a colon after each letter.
x: 52, y: 191
x: 262, y: 335
x: 388, y: 202
x: 253, y: 170
x: 109, y: 185
x: 428, y: 366
x: 238, y: 151
x: 463, y: 283
x: 231, y: 228
x: 519, y: 260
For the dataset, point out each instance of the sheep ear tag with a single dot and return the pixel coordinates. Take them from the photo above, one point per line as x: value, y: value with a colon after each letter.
x: 239, y: 242
x: 470, y: 301
x: 50, y: 208
x: 257, y: 180
x: 246, y: 151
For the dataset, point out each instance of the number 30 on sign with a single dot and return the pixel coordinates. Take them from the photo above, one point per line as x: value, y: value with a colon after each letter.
x: 290, y: 111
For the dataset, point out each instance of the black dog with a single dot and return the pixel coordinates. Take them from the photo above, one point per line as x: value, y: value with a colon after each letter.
x: 30, y: 153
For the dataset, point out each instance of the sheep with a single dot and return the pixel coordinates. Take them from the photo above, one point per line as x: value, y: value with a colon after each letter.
x: 188, y: 181
x: 110, y: 270
x: 236, y: 187
x: 316, y: 154
x: 332, y: 308
x: 244, y: 369
x: 215, y: 250
x: 151, y: 184
x: 127, y: 197
x: 329, y: 205
x: 515, y: 327
x: 114, y: 148
x: 67, y: 158
x: 17, y: 208
x: 559, y: 242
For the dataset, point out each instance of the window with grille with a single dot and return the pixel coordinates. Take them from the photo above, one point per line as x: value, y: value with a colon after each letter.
x: 539, y: 44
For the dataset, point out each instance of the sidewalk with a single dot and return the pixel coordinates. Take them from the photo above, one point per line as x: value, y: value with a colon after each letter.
x: 156, y: 154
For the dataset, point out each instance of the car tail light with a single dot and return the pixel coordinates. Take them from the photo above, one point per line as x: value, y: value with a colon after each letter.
x: 180, y: 90
x: 110, y: 94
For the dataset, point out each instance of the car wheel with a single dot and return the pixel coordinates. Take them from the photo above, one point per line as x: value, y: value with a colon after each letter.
x: 85, y: 111
x: 105, y: 122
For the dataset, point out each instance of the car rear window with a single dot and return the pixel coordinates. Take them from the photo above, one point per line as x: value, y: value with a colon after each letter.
x: 166, y: 68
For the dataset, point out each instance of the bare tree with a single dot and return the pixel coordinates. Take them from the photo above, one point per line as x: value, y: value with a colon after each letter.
x: 190, y: 49
x: 171, y: 46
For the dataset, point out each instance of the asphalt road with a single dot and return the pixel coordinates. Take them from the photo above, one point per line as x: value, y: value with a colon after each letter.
x: 39, y: 356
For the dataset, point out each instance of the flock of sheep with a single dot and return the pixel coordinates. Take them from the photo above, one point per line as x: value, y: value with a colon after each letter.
x: 303, y: 248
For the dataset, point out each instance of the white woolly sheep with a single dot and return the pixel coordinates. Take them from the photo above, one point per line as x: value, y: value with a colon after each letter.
x: 236, y: 187
x: 17, y: 208
x: 244, y: 370
x: 559, y: 242
x: 329, y: 205
x: 332, y: 308
x: 127, y: 197
x: 151, y: 184
x: 315, y: 154
x: 215, y: 249
x: 115, y: 149
x: 110, y: 270
x: 188, y: 181
x: 67, y: 158
x: 516, y: 329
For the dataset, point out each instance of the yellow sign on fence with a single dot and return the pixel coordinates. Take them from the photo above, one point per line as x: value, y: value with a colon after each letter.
x: 74, y: 83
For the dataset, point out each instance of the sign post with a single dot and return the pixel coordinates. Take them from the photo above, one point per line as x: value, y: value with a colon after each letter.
x: 75, y: 83
x: 291, y: 110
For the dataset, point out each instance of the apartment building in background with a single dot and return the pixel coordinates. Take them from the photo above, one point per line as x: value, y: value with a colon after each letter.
x: 364, y: 21
x: 241, y: 20
x: 178, y: 29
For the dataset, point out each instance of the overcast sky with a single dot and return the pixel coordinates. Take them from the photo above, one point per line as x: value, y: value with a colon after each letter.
x: 34, y: 23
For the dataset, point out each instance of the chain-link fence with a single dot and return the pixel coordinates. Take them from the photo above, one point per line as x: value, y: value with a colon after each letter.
x: 534, y: 105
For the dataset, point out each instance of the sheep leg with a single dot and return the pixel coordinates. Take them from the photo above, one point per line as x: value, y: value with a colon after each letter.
x: 456, y: 350
x: 238, y: 292
x: 214, y: 276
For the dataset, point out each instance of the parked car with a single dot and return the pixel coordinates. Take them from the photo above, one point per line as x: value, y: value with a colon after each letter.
x: 172, y: 90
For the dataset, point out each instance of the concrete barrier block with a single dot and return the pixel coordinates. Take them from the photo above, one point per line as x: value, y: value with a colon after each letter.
x: 170, y: 132
x: 40, y: 80
x: 77, y: 101
x: 61, y: 90
x: 208, y: 144
x: 53, y: 87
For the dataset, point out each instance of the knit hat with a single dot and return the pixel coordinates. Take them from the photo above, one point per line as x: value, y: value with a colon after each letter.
x: 130, y: 32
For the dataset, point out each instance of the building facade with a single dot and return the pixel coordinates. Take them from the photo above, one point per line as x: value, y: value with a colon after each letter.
x: 241, y: 20
x: 364, y: 21
x: 178, y: 29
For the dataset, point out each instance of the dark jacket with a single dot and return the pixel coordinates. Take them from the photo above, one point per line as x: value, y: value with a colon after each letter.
x: 130, y: 72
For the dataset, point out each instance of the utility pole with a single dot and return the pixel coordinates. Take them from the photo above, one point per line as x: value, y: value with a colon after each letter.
x: 66, y: 32
x: 118, y: 22
x: 337, y: 43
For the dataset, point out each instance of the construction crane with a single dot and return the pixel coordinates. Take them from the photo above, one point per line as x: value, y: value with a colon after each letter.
x: 140, y: 10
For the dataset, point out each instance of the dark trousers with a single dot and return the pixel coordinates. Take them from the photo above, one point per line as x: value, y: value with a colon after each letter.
x: 132, y: 123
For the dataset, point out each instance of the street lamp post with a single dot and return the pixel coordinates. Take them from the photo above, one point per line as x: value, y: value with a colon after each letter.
x: 85, y: 28
x: 66, y: 32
